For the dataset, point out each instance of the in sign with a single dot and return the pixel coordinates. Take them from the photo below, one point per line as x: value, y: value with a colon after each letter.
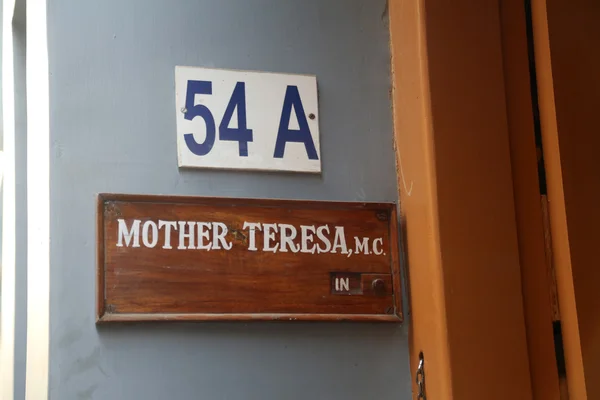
x: 346, y: 283
x: 229, y: 119
x: 342, y: 284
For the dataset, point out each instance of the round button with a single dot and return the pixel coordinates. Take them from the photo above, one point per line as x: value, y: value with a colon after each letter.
x: 378, y: 285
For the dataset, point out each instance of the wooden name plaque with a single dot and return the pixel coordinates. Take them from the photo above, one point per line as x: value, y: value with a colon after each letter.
x: 200, y: 259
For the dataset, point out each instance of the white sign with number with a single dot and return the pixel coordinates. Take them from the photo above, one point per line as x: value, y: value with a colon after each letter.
x: 246, y: 120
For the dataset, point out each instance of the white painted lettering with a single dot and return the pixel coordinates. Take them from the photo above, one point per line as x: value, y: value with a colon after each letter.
x: 287, y: 240
x: 145, y: 234
x: 270, y: 236
x: 277, y: 237
x: 376, y: 243
x: 189, y: 236
x: 345, y: 284
x: 167, y: 225
x: 342, y: 284
x: 203, y: 233
x: 219, y: 233
x: 339, y: 241
x: 324, y: 239
x: 252, y: 227
x: 361, y: 247
x: 307, y: 239
x: 128, y: 235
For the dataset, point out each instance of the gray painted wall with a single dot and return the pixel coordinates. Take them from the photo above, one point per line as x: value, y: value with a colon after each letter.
x: 113, y: 130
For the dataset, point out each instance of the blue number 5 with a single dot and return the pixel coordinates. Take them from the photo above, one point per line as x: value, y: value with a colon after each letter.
x: 199, y: 110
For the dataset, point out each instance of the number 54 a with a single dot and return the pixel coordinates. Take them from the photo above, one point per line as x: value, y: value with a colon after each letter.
x: 243, y: 134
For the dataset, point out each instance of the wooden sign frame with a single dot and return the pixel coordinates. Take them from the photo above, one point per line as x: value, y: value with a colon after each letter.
x: 133, y: 285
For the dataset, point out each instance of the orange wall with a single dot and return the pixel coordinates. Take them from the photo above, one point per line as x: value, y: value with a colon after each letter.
x: 457, y: 202
x: 568, y: 63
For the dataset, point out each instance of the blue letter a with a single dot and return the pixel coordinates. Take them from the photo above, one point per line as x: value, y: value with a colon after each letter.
x: 285, y: 134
